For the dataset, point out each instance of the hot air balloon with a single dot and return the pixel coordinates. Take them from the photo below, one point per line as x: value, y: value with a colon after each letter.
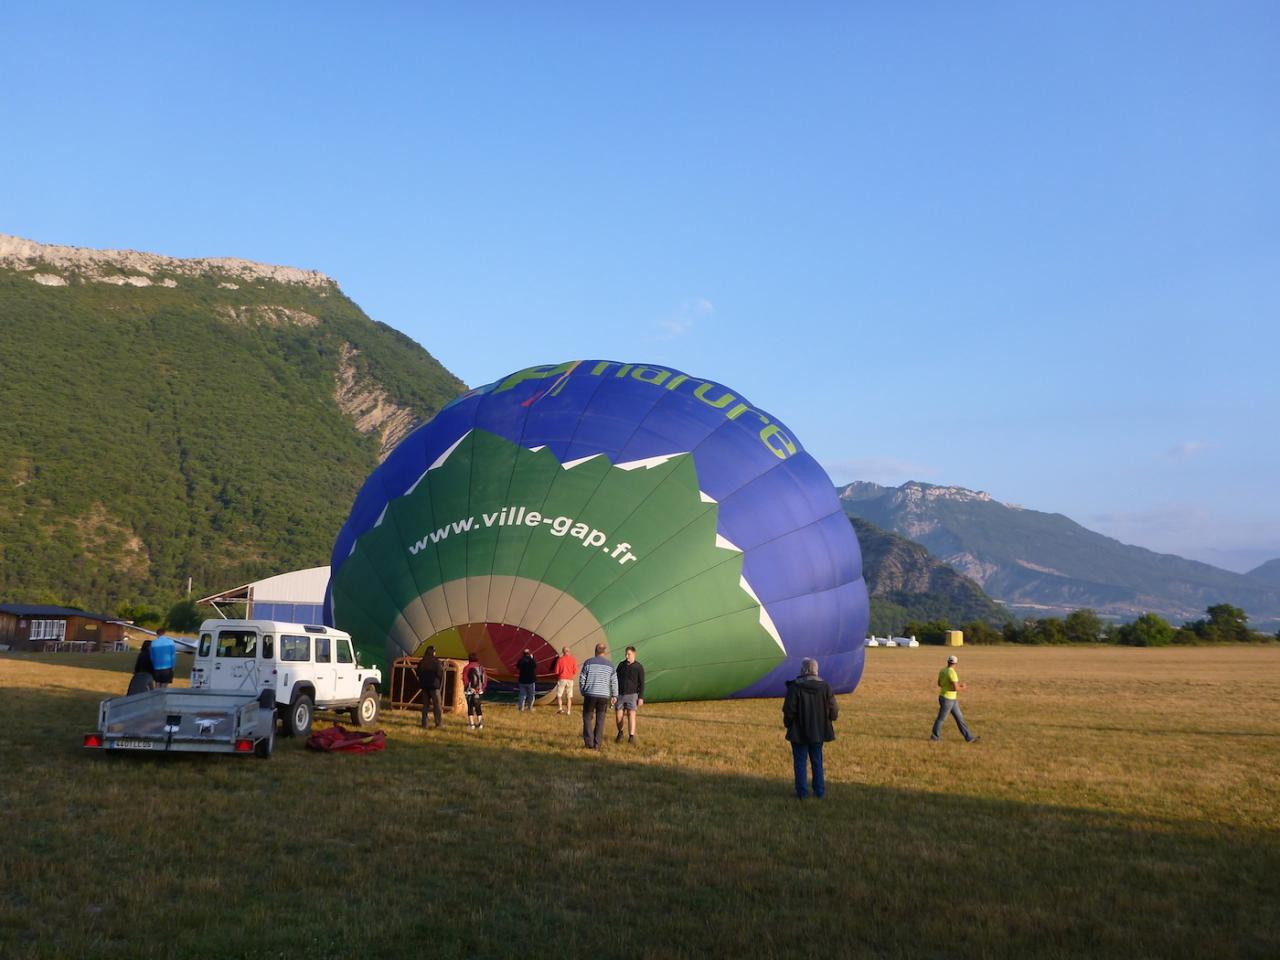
x: 598, y: 501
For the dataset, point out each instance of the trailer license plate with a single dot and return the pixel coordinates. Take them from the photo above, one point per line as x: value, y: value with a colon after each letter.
x: 134, y: 744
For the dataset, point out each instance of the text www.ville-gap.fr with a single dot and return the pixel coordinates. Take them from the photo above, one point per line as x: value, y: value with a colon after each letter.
x: 560, y: 526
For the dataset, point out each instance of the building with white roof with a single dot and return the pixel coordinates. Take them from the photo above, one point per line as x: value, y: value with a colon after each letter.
x: 294, y: 597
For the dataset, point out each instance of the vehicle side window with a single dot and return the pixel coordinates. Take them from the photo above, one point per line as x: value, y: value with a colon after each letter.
x: 322, y: 649
x: 294, y: 648
x: 237, y: 643
x: 268, y: 647
x: 344, y: 650
x: 206, y: 642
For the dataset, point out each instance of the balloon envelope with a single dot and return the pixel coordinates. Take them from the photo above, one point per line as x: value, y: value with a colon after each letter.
x: 596, y: 501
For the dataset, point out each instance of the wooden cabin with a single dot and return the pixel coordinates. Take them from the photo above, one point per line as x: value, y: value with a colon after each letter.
x: 27, y: 626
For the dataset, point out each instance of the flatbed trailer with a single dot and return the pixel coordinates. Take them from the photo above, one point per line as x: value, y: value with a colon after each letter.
x: 180, y: 720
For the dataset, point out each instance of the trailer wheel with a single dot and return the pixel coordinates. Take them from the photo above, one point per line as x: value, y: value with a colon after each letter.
x: 264, y: 746
x: 366, y: 711
x: 300, y: 714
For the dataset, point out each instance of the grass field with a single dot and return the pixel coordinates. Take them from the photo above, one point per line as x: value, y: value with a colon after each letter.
x: 1122, y: 803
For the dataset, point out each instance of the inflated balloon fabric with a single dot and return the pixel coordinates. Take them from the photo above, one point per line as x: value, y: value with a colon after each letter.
x: 603, y: 502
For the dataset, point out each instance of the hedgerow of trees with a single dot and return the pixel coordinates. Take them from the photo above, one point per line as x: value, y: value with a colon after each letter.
x: 1221, y: 624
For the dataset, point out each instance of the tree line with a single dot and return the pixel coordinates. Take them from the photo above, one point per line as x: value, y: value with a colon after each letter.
x: 1222, y: 623
x: 185, y: 616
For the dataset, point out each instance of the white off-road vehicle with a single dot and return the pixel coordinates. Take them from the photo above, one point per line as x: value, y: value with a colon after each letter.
x: 307, y: 667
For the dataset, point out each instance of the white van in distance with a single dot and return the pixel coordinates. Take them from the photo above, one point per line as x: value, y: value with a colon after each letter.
x: 307, y: 667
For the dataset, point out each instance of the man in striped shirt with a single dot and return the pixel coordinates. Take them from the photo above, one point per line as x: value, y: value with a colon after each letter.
x: 599, y: 685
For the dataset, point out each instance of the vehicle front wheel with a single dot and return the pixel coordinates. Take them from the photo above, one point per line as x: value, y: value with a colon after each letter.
x: 300, y: 713
x: 366, y: 711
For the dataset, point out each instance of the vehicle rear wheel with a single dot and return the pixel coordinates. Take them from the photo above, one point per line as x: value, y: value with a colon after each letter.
x: 300, y: 713
x: 366, y: 711
x: 264, y: 746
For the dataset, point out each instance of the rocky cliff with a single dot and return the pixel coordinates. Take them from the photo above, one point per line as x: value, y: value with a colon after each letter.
x: 54, y: 265
x: 907, y: 583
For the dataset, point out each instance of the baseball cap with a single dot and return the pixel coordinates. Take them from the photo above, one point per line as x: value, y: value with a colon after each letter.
x: 952, y: 659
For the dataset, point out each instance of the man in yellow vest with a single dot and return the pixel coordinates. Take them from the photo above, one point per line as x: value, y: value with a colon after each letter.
x: 948, y: 684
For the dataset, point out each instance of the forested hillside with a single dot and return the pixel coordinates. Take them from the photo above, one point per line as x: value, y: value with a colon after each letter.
x: 175, y: 419
x: 906, y: 583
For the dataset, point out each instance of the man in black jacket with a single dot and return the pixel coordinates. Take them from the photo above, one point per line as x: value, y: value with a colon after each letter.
x: 430, y: 676
x: 143, y: 675
x: 527, y: 676
x: 630, y: 694
x: 809, y: 711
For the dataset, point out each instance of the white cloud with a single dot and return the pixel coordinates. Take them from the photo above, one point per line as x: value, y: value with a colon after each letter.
x: 681, y: 320
x: 670, y: 329
x: 1186, y: 450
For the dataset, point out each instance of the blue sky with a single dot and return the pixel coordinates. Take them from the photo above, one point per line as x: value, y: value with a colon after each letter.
x: 1026, y: 248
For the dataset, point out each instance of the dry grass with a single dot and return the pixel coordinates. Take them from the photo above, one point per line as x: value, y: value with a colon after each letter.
x: 1121, y: 803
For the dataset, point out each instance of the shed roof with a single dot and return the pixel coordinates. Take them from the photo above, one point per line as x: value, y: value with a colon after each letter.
x: 296, y: 586
x: 43, y: 610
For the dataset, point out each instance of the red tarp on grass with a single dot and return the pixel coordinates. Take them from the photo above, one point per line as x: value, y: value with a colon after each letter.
x: 337, y: 739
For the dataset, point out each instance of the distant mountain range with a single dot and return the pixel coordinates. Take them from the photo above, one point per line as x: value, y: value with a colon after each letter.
x: 1046, y: 564
x: 1268, y: 573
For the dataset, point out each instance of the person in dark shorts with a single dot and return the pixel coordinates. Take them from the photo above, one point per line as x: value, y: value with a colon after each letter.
x: 474, y: 680
x: 630, y: 695
x: 430, y: 677
x: 164, y: 656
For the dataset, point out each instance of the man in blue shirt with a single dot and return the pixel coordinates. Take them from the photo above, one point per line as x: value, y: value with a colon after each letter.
x: 163, y: 656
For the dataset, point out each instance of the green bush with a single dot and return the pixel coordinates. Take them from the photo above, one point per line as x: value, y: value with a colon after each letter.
x: 1148, y: 630
x: 184, y: 616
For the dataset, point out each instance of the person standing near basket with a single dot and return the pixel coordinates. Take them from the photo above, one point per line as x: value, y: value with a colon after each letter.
x: 474, y: 680
x: 566, y: 675
x: 430, y: 676
x: 527, y: 675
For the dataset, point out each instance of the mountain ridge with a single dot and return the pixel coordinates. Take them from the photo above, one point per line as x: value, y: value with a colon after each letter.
x: 168, y: 418
x: 136, y: 268
x: 1042, y: 563
x: 1268, y: 572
